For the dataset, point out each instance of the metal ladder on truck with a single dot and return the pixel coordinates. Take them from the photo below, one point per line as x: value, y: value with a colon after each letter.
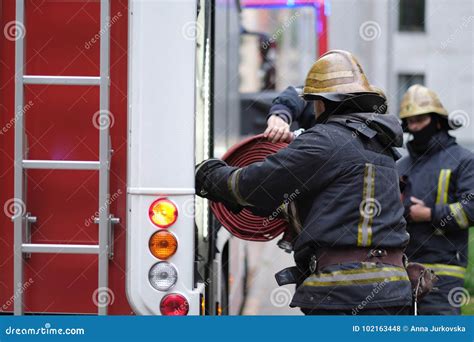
x: 22, y: 221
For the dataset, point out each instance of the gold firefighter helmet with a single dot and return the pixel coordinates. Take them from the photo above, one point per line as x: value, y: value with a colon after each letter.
x: 336, y: 72
x: 419, y: 100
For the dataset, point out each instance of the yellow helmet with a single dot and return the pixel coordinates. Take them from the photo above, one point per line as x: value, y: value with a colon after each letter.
x: 336, y: 71
x: 419, y: 100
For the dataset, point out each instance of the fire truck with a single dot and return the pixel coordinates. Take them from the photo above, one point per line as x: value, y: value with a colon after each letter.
x: 106, y: 106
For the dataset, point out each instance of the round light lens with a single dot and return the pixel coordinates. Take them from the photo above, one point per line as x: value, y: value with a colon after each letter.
x: 174, y: 305
x: 163, y: 244
x: 163, y: 213
x: 163, y: 276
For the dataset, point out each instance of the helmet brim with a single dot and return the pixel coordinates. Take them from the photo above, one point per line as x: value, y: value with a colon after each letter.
x: 366, y: 98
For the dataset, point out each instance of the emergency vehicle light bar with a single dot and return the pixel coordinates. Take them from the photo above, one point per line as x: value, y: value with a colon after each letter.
x: 280, y: 3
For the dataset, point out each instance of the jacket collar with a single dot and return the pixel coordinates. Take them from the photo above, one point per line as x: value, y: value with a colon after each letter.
x: 384, y: 127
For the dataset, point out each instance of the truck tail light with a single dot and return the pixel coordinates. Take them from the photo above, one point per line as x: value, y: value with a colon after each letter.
x: 163, y: 213
x: 163, y: 244
x: 163, y: 276
x: 174, y: 305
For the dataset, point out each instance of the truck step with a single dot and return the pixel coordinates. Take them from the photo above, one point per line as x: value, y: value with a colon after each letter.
x: 60, y: 248
x: 61, y: 165
x: 62, y: 80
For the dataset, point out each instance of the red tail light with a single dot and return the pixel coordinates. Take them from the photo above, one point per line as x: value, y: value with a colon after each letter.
x: 174, y: 305
x: 163, y: 213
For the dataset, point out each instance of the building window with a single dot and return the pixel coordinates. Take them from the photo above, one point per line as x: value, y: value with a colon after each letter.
x: 412, y: 15
x: 405, y: 81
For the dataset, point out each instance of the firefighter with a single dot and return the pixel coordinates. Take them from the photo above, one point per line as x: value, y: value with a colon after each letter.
x: 289, y: 107
x: 349, y: 252
x: 437, y: 178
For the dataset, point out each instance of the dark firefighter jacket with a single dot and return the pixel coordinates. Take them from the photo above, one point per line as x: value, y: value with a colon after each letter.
x: 443, y: 177
x: 348, y: 195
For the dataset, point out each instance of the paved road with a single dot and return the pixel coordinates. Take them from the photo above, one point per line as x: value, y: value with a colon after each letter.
x: 265, y: 297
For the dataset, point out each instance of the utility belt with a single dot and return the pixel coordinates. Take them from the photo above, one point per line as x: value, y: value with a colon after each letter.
x: 327, y: 257
x: 420, y: 277
x: 317, y: 260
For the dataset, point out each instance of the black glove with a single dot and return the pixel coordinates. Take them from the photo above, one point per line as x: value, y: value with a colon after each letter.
x: 209, y: 174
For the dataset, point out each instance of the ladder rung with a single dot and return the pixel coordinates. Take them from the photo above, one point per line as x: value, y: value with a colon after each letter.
x: 62, y: 80
x: 61, y: 165
x: 59, y: 248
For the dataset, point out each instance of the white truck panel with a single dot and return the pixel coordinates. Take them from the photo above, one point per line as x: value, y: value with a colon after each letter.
x: 161, y: 143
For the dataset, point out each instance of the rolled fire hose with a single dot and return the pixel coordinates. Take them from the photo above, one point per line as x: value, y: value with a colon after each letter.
x: 245, y: 225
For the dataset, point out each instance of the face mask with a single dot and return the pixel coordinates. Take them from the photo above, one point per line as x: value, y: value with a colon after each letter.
x: 423, y: 136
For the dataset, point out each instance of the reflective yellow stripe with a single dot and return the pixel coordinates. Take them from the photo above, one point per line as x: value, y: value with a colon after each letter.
x: 459, y: 214
x: 294, y: 217
x: 443, y: 186
x: 440, y: 186
x: 372, y: 197
x: 448, y: 270
x: 364, y: 229
x: 358, y: 276
x: 233, y: 185
x: 330, y: 75
x: 446, y: 192
x: 445, y: 266
x: 356, y: 282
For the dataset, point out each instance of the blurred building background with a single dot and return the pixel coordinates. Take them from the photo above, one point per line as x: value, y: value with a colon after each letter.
x: 403, y: 42
x: 398, y: 43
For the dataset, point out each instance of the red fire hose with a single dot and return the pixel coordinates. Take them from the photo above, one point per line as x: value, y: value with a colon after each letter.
x: 246, y: 225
